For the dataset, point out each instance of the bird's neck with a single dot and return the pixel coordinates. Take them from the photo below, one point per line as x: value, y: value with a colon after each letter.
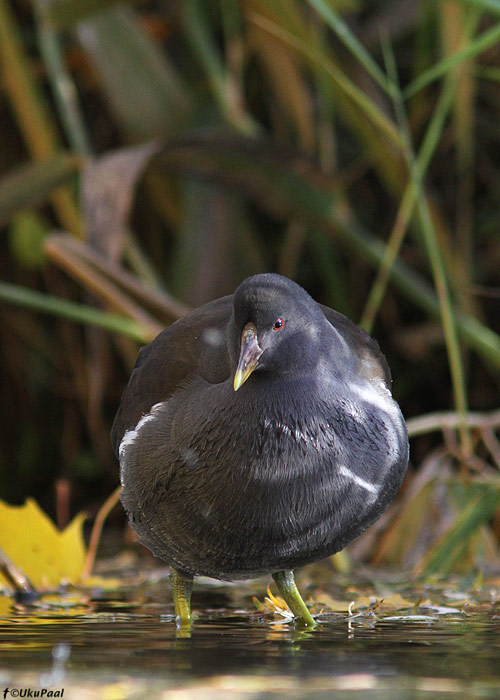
x: 281, y: 395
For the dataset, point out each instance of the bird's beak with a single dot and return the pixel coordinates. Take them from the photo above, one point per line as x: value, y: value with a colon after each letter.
x: 250, y: 353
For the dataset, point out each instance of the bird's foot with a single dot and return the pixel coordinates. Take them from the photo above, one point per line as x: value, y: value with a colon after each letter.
x: 286, y: 586
x: 182, y: 586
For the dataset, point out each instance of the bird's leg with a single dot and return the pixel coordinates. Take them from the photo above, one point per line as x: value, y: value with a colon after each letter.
x: 182, y: 586
x: 286, y: 586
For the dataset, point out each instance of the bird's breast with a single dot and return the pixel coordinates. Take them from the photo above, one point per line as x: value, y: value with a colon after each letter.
x: 282, y: 437
x: 259, y: 481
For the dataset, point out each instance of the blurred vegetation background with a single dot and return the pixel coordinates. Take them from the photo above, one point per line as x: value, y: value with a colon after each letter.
x: 155, y: 153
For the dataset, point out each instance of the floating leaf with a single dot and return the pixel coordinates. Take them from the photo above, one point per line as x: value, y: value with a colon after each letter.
x: 46, y: 555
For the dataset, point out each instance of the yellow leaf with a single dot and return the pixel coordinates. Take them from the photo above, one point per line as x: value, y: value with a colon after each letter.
x: 45, y: 554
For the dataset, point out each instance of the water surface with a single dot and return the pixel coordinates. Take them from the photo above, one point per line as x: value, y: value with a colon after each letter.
x: 123, y: 643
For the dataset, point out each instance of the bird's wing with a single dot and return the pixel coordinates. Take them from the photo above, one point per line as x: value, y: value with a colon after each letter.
x: 372, y: 364
x: 195, y: 345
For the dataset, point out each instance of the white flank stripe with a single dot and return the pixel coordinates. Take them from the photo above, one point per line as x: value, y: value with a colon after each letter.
x: 375, y: 394
x: 358, y: 480
x: 130, y: 436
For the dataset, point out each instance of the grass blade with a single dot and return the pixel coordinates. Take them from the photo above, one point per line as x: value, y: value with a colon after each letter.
x: 476, y: 46
x: 482, y: 503
x: 203, y: 44
x: 33, y: 114
x: 32, y: 183
x: 345, y: 35
x: 63, y: 87
x: 79, y: 313
x: 487, y: 5
x: 342, y: 82
x: 434, y: 253
x: 65, y: 14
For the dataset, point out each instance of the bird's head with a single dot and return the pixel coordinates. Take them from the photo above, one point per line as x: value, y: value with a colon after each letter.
x: 276, y: 327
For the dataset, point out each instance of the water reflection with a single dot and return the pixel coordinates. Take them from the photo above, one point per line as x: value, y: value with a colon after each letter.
x: 136, y: 637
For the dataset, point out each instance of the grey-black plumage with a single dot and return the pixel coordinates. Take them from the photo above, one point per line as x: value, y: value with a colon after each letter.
x: 258, y: 434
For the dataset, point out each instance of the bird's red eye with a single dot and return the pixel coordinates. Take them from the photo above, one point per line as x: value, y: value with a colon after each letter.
x: 278, y: 324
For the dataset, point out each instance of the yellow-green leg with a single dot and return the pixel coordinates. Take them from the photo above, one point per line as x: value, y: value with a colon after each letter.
x: 286, y: 586
x: 182, y: 586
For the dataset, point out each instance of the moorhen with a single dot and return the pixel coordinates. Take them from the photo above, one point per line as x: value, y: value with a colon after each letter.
x: 255, y: 435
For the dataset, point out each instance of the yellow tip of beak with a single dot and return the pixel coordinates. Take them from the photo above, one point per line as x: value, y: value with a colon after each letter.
x: 240, y: 378
x: 250, y: 353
